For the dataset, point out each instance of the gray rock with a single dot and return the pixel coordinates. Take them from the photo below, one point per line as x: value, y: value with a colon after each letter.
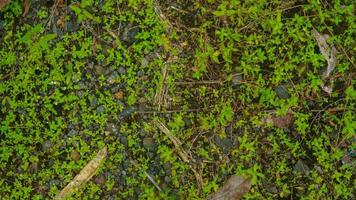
x: 223, y: 143
x: 100, y: 109
x: 121, y: 70
x: 94, y: 102
x: 301, y: 167
x: 72, y: 132
x: 282, y: 92
x: 130, y: 33
x: 149, y: 143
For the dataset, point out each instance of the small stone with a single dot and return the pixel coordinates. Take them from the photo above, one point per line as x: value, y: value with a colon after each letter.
x: 121, y: 70
x: 167, y: 179
x: 149, y: 143
x: 144, y: 62
x: 301, y: 167
x: 123, y: 140
x: 99, y: 69
x: 224, y: 143
x: 282, y: 92
x: 130, y: 33
x: 94, y: 102
x: 72, y: 132
x: 140, y: 73
x: 75, y: 155
x: 100, y: 180
x: 100, y: 109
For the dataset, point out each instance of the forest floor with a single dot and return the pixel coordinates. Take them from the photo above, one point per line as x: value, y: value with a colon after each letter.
x: 182, y: 95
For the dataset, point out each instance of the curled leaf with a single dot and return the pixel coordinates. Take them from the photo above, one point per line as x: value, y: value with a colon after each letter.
x: 329, y: 52
x: 234, y: 188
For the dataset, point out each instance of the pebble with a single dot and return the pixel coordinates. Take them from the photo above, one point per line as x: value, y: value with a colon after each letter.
x: 225, y: 144
x: 72, y: 132
x: 100, y: 109
x: 94, y: 102
x: 301, y: 167
x: 282, y: 92
x: 130, y: 33
x: 121, y: 70
x: 149, y: 143
x: 100, y: 180
x: 75, y: 155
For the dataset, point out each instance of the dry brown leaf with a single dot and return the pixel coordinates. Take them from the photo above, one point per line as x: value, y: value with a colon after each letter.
x: 87, y: 173
x: 26, y: 7
x: 234, y: 188
x: 3, y: 3
x: 281, y: 121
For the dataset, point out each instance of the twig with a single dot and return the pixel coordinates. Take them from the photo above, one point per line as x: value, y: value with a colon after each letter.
x: 181, y: 152
x: 153, y: 181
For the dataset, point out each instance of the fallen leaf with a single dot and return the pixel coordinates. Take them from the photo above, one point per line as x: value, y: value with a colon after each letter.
x: 3, y: 3
x: 234, y: 188
x: 26, y: 7
x: 281, y: 121
x: 87, y: 173
x: 329, y: 52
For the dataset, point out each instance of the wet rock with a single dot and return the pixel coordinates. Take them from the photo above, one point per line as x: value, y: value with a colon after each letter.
x: 99, y: 180
x: 121, y: 70
x: 100, y: 69
x: 127, y: 112
x: 123, y: 140
x: 130, y: 33
x: 71, y: 26
x: 282, y: 92
x: 140, y: 73
x: 224, y: 144
x: 301, y: 167
x: 144, y: 62
x: 72, y: 132
x: 94, y: 102
x: 75, y: 155
x: 100, y: 109
x: 149, y: 143
x: 167, y: 168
